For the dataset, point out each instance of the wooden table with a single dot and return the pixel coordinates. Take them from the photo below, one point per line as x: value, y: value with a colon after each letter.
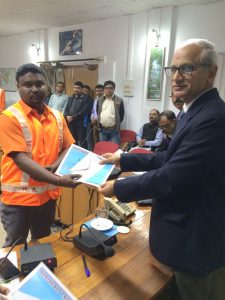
x: 132, y: 273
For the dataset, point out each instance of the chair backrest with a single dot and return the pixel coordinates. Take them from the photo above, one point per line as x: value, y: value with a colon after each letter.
x: 127, y: 135
x: 104, y: 147
x: 140, y: 150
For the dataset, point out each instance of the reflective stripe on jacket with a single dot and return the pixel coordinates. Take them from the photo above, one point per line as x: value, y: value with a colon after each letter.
x: 18, y: 187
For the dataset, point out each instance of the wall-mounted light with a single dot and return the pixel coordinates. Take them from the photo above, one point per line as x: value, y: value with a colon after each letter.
x: 157, y: 36
x: 37, y: 48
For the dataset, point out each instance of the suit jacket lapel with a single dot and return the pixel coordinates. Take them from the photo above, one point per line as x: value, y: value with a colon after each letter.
x: 183, y: 123
x: 193, y: 110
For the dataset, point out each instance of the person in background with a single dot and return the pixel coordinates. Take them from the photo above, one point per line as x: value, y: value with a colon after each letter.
x: 110, y: 114
x: 75, y: 112
x: 49, y: 93
x: 34, y: 139
x: 99, y: 92
x: 87, y: 90
x: 178, y: 103
x: 87, y: 121
x: 149, y: 134
x: 2, y: 100
x: 187, y: 182
x: 167, y: 123
x: 59, y: 99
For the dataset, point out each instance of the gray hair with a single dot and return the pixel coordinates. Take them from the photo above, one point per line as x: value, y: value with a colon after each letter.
x: 208, y: 54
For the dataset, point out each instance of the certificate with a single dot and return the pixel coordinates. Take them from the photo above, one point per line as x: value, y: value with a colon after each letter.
x: 86, y: 163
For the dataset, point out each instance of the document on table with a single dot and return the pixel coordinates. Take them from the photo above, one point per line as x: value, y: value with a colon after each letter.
x: 86, y: 163
x: 41, y: 283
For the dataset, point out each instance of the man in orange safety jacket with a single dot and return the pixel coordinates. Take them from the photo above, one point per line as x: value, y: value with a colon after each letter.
x: 34, y: 139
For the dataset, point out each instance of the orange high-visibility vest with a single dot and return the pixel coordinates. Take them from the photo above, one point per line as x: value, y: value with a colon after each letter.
x: 2, y: 100
x: 17, y: 186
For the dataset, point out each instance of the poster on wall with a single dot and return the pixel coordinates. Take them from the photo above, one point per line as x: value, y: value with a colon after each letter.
x: 155, y: 71
x: 70, y: 42
x: 8, y: 79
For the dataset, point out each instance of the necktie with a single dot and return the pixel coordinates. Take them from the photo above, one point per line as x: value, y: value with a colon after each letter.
x: 181, y: 115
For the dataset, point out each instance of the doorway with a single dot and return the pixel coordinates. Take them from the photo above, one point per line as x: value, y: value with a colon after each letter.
x: 87, y: 74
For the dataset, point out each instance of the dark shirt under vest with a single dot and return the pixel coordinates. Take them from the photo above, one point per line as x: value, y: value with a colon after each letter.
x: 149, y: 131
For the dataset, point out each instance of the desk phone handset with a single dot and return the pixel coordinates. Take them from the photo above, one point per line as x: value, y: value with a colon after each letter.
x: 117, y: 210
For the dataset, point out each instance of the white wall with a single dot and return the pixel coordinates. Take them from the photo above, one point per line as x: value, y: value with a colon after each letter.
x: 204, y: 21
x: 107, y: 38
x: 17, y: 50
x: 125, y: 42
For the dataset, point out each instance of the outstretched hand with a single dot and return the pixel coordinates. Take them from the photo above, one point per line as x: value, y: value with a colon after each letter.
x: 69, y: 180
x: 111, y: 158
x: 107, y: 189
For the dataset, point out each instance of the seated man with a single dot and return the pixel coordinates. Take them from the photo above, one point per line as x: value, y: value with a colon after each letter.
x: 167, y: 123
x: 149, y: 134
x: 178, y: 103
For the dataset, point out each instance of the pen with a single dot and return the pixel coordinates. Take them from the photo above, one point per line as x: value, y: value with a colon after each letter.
x: 87, y: 272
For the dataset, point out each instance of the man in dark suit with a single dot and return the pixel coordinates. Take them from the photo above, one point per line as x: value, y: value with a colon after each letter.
x: 187, y: 181
x: 75, y: 111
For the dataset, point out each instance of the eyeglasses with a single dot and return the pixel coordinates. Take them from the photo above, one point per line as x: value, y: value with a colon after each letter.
x: 184, y: 70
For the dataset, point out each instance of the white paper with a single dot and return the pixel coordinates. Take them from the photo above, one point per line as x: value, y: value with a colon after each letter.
x: 86, y: 163
x: 41, y: 284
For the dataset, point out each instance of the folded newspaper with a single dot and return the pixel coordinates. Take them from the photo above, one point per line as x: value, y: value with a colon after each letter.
x: 41, y: 284
x: 86, y: 163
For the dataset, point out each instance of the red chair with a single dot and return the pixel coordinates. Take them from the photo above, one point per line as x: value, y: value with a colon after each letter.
x: 104, y: 147
x: 126, y: 136
x: 140, y: 150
